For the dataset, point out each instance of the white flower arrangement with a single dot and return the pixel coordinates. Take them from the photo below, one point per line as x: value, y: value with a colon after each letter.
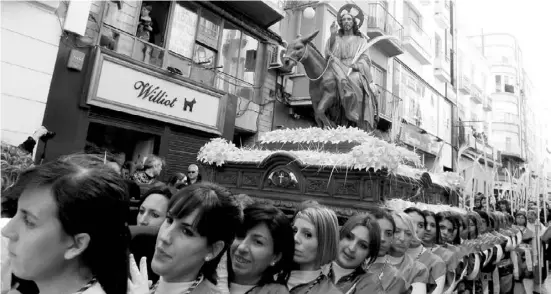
x: 316, y: 135
x: 446, y: 179
x: 371, y: 153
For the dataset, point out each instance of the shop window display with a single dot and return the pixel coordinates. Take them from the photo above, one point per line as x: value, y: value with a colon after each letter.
x: 130, y: 144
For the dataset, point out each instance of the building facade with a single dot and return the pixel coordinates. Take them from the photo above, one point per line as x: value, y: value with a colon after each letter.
x: 28, y: 27
x: 164, y: 78
x: 479, y: 160
x: 510, y: 91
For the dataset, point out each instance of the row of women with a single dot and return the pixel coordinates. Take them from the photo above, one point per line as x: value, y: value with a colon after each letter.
x: 70, y: 235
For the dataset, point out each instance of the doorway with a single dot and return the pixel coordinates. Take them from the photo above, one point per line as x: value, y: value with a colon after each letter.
x: 128, y: 145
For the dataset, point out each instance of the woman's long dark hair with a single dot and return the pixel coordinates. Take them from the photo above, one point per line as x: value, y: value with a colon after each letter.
x: 374, y: 232
x: 82, y: 186
x: 217, y: 219
x: 281, y: 229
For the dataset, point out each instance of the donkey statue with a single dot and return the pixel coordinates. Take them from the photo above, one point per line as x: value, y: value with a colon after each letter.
x: 328, y: 111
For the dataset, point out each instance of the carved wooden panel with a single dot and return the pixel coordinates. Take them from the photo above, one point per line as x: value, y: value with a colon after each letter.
x: 348, y: 188
x: 318, y: 186
x: 250, y: 179
x: 227, y: 178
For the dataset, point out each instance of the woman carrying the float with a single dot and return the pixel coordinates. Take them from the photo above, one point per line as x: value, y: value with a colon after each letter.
x: 200, y: 224
x: 316, y: 244
x: 434, y: 264
x: 431, y: 241
x: 262, y: 253
x: 360, y: 239
x: 414, y: 272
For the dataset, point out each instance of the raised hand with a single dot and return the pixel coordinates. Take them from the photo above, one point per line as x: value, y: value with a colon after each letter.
x: 139, y: 282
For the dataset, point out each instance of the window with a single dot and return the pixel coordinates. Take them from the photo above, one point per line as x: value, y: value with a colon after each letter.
x: 508, y: 144
x: 448, y: 44
x: 186, y: 39
x: 498, y: 83
x: 437, y: 45
x: 414, y: 17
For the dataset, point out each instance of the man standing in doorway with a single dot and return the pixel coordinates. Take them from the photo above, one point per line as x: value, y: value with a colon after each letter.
x: 193, y: 175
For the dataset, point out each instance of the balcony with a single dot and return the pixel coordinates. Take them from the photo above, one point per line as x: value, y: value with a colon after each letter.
x: 442, y: 13
x: 465, y: 84
x: 442, y: 67
x: 488, y: 104
x: 476, y: 94
x: 388, y: 104
x: 417, y: 42
x: 263, y: 13
x: 381, y: 23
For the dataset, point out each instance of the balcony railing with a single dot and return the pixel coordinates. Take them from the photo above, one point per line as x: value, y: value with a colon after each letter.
x: 129, y: 45
x: 380, y: 22
x: 465, y: 84
x: 476, y: 94
x: 388, y: 104
x: 442, y: 67
x: 442, y: 13
x: 488, y: 103
x: 417, y: 42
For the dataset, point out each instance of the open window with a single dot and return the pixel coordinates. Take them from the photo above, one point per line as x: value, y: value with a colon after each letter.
x: 185, y: 38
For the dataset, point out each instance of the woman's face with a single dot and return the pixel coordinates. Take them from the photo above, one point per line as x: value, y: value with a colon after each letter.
x: 502, y: 207
x: 353, y: 248
x: 419, y: 224
x: 306, y: 244
x: 446, y: 231
x: 387, y: 236
x: 180, y: 251
x: 531, y: 216
x: 472, y: 229
x: 402, y: 237
x: 483, y: 226
x: 252, y: 254
x: 153, y: 211
x: 430, y: 230
x: 521, y: 221
x: 38, y: 246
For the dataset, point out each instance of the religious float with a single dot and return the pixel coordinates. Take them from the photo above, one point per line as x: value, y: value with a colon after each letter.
x: 344, y: 168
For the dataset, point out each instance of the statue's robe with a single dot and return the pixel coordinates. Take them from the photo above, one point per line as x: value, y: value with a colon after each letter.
x: 352, y: 86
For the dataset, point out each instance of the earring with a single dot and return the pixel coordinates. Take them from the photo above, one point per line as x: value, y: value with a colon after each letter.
x: 272, y: 264
x: 207, y: 259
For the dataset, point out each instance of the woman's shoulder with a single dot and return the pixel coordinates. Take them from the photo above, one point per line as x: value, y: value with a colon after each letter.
x: 324, y: 286
x: 272, y: 288
x: 207, y: 287
x: 95, y: 289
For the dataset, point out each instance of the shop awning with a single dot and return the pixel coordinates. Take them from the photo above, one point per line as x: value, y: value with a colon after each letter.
x: 264, y: 13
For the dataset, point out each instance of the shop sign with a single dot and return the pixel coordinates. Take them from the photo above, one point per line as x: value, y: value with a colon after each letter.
x: 411, y: 136
x: 123, y: 88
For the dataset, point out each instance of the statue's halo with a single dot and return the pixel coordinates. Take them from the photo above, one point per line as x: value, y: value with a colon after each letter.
x: 354, y: 11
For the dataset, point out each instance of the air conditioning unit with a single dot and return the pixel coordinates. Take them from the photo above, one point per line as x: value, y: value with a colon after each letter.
x: 276, y: 59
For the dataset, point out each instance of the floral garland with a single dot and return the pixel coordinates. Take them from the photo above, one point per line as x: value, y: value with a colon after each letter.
x: 372, y: 153
x: 446, y: 179
x: 317, y: 135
